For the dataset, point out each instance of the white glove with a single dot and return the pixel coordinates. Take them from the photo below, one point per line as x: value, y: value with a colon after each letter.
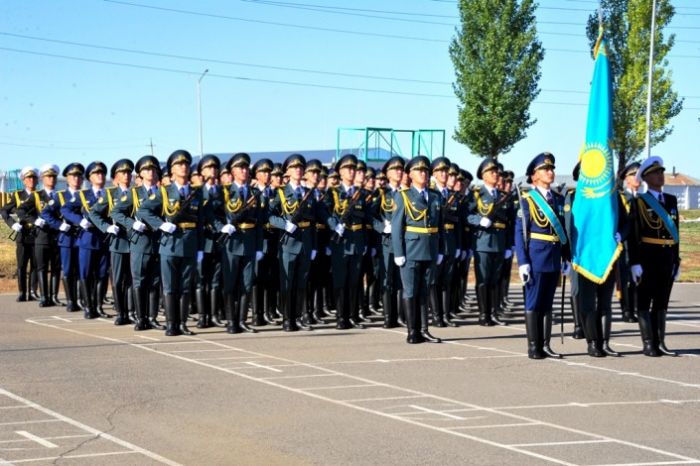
x: 200, y: 256
x: 85, y: 224
x: 618, y: 238
x: 364, y: 251
x: 289, y: 227
x: 465, y: 253
x: 340, y: 229
x: 524, y: 272
x: 566, y: 268
x: 439, y: 259
x: 485, y: 222
x: 458, y: 253
x: 328, y: 251
x: 509, y: 254
x: 168, y: 227
x: 313, y: 254
x: 40, y: 222
x: 636, y: 271
x: 387, y: 227
x: 65, y: 228
x: 399, y: 261
x: 258, y: 255
x: 17, y: 227
x: 374, y: 252
x: 113, y: 230
x: 228, y: 229
x: 139, y: 226
x: 678, y: 273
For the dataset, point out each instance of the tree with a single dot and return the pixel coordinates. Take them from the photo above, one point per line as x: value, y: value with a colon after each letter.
x: 627, y: 25
x: 496, y: 56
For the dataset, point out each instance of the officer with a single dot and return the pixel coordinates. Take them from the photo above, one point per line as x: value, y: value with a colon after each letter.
x: 67, y: 234
x: 574, y: 299
x: 225, y: 177
x: 655, y: 255
x: 143, y: 244
x: 100, y: 216
x: 417, y: 242
x: 321, y: 264
x: 370, y: 262
x: 464, y: 180
x: 333, y: 178
x: 504, y: 283
x: 208, y: 278
x: 45, y: 241
x: 196, y: 178
x: 178, y: 211
x: 348, y: 210
x: 383, y: 210
x: 543, y: 253
x: 267, y: 268
x: 489, y: 216
x: 23, y: 205
x: 241, y: 243
x: 293, y: 211
x: 628, y: 289
x: 440, y: 292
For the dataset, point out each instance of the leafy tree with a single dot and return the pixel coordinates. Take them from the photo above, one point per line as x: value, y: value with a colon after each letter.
x: 627, y: 26
x: 496, y: 56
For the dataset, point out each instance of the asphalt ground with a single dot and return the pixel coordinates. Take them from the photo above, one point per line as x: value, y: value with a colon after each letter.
x: 83, y: 392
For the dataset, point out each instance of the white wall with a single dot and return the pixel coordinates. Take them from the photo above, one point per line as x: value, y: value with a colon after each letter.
x: 688, y: 196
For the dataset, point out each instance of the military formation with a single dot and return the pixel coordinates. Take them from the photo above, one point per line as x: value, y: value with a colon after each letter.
x: 243, y: 245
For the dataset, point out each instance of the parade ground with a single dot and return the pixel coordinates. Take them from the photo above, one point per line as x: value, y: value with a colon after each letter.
x: 86, y: 392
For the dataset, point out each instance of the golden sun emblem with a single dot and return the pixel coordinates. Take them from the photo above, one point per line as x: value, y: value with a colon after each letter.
x: 596, y: 171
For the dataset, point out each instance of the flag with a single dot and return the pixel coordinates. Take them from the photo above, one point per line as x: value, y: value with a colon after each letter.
x: 594, y: 210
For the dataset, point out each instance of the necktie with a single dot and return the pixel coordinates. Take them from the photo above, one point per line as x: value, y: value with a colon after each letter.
x: 425, y: 196
x: 212, y: 190
x: 444, y: 193
x: 549, y: 197
x: 243, y: 193
x: 351, y: 191
x: 182, y: 192
x: 99, y: 193
x: 661, y: 198
x: 299, y: 192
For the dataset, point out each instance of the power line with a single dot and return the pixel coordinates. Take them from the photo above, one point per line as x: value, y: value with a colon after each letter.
x: 53, y: 147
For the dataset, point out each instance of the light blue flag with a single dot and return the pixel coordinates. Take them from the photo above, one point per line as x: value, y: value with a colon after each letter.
x: 595, y: 206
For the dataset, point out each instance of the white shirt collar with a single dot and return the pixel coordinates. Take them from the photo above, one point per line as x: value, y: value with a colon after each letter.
x: 543, y: 191
x: 185, y: 186
x: 653, y: 193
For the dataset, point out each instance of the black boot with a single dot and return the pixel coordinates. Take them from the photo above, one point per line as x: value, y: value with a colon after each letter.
x: 318, y: 313
x: 201, y: 296
x: 389, y: 310
x: 436, y: 307
x: 546, y: 322
x: 172, y: 315
x: 534, y: 339
x: 71, y: 305
x: 258, y: 305
x: 33, y: 285
x: 593, y: 331
x: 629, y: 301
x: 412, y: 321
x: 353, y: 309
x: 494, y: 301
x: 141, y: 308
x: 578, y: 321
x: 100, y: 293
x: 45, y: 299
x: 423, y: 322
x: 216, y: 309
x: 121, y: 304
x: 55, y: 283
x: 88, y: 309
x: 646, y: 330
x: 482, y: 295
x: 289, y: 317
x: 607, y: 327
x: 661, y: 331
x: 153, y: 308
x: 446, y: 296
x: 303, y: 312
x: 243, y: 313
x: 231, y: 313
x: 401, y: 311
x: 341, y: 310
x: 21, y: 286
x: 185, y: 313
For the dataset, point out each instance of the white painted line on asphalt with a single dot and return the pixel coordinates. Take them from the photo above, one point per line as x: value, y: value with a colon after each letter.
x: 278, y: 377
x: 648, y: 464
x: 62, y: 319
x: 591, y: 404
x: 260, y: 366
x: 527, y: 421
x: 14, y: 407
x: 449, y: 358
x: 147, y: 338
x: 338, y: 387
x: 40, y: 421
x: 41, y: 441
x: 432, y: 411
x: 500, y: 426
x: 97, y: 433
x: 381, y: 398
x: 202, y: 351
x: 58, y: 437
x: 547, y: 444
x: 226, y: 358
x: 87, y: 455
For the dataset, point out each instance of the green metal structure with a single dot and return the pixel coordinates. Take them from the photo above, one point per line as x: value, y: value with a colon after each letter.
x: 379, y: 144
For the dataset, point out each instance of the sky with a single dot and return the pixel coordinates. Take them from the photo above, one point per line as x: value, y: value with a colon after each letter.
x: 282, y: 76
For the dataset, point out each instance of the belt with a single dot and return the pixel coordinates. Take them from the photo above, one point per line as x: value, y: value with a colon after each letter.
x: 449, y: 226
x: 368, y: 227
x: 320, y: 226
x: 356, y: 227
x: 543, y: 237
x: 303, y: 224
x: 499, y: 225
x: 428, y: 230
x: 187, y: 225
x: 246, y: 226
x: 660, y: 242
x: 467, y: 229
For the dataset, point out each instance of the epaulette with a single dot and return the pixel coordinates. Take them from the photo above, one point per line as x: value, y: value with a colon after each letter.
x: 402, y: 189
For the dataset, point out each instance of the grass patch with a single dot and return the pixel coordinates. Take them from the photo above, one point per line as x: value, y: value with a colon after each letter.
x: 690, y: 252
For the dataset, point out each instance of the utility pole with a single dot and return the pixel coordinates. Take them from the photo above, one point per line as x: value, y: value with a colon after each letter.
x: 199, y: 106
x: 652, y: 37
x: 152, y: 153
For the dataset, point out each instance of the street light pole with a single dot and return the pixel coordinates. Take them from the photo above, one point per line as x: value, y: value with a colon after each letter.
x: 199, y: 106
x: 652, y: 37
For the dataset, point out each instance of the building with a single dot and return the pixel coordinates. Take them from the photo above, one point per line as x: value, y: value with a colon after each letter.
x: 685, y: 188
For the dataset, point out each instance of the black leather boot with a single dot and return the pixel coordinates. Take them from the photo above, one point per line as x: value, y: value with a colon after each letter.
x: 401, y: 311
x: 172, y: 315
x: 389, y: 310
x: 534, y: 340
x: 88, y: 309
x: 55, y: 285
x: 578, y: 320
x: 423, y: 322
x: 153, y: 308
x: 21, y: 286
x: 607, y: 328
x: 71, y: 305
x: 258, y: 298
x: 45, y: 299
x: 494, y: 301
x: 353, y: 310
x: 482, y: 295
x: 100, y: 293
x: 216, y: 308
x: 546, y: 323
x: 288, y: 312
x: 412, y: 321
x: 141, y: 309
x: 243, y: 303
x: 303, y: 311
x: 446, y: 297
x: 646, y: 330
x: 629, y: 302
x: 661, y: 330
x: 231, y: 314
x: 340, y: 310
x: 317, y: 303
x: 33, y: 285
x: 436, y: 307
x: 201, y: 296
x: 185, y: 313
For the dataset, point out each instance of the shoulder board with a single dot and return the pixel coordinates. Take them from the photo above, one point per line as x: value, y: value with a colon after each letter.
x: 403, y: 189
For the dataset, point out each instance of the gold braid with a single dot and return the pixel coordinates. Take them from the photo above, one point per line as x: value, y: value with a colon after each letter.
x: 288, y: 209
x: 415, y: 214
x: 648, y: 219
x: 484, y: 210
x: 339, y: 207
x: 536, y: 215
x: 387, y: 205
x: 234, y: 206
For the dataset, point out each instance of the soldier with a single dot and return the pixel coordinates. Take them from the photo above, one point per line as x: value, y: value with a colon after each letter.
x: 241, y: 243
x: 100, y: 216
x: 294, y: 213
x: 333, y: 179
x: 489, y: 215
x: 628, y: 289
x: 440, y: 291
x: 67, y: 234
x: 143, y: 244
x: 367, y: 269
x: 348, y: 211
x: 569, y: 197
x: 542, y: 247
x: 416, y: 238
x: 45, y: 241
x: 383, y: 210
x: 225, y: 177
x: 655, y: 255
x: 504, y: 284
x: 178, y: 211
x: 23, y: 205
x: 464, y: 179
x: 321, y: 264
x: 208, y: 277
x: 196, y: 178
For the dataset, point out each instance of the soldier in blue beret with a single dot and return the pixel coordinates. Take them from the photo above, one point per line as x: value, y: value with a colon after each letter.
x: 418, y: 246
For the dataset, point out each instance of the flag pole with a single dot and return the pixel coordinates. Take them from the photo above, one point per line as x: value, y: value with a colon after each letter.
x: 652, y: 37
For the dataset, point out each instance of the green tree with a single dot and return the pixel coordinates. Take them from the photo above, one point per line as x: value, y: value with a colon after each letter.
x: 496, y: 56
x: 627, y: 27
